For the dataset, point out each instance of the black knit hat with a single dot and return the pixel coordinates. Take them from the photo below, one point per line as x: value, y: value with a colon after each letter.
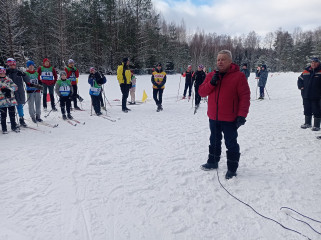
x: 244, y: 64
x: 125, y: 60
x: 263, y: 66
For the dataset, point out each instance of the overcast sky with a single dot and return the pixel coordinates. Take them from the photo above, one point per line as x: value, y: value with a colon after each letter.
x: 235, y: 17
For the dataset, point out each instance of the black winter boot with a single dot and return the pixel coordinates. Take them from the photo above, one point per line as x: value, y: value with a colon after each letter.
x: 316, y: 125
x: 22, y: 122
x: 307, y: 123
x: 212, y: 162
x: 232, y: 163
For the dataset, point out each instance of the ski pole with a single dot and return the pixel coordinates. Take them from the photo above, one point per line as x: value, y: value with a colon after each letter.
x: 52, y: 109
x: 179, y: 86
x: 267, y: 93
x: 91, y: 108
x: 106, y: 98
x: 257, y: 85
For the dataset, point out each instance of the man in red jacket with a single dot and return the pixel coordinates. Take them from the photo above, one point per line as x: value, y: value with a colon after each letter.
x: 228, y: 105
x: 48, y: 76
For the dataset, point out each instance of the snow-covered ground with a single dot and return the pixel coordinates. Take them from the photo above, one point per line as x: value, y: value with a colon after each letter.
x: 139, y: 178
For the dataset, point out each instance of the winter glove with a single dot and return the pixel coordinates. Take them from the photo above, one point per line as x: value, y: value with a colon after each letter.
x: 21, y: 74
x: 7, y: 92
x: 240, y: 121
x: 38, y: 86
x: 215, y: 78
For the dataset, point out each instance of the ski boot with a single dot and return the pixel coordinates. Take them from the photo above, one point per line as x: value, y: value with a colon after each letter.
x: 64, y: 117
x: 69, y: 116
x: 54, y: 109
x: 77, y: 108
x: 34, y: 119
x: 98, y: 114
x: 158, y: 108
x: 38, y: 119
x: 128, y: 109
x: 15, y: 128
x: 103, y: 108
x: 125, y: 110
x: 22, y: 122
x: 4, y: 131
x: 183, y: 97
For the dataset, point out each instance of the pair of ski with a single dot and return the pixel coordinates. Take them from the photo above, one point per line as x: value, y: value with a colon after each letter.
x: 74, y: 122
x: 107, y: 118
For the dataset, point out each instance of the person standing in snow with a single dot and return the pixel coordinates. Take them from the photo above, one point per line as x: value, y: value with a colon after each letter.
x: 133, y: 89
x: 124, y: 79
x: 263, y: 75
x: 245, y: 71
x: 188, y: 82
x: 309, y: 82
x: 228, y: 105
x: 33, y: 92
x: 18, y: 78
x: 48, y: 76
x: 73, y: 75
x: 65, y: 92
x: 96, y: 80
x: 158, y: 81
x: 7, y: 101
x: 199, y: 78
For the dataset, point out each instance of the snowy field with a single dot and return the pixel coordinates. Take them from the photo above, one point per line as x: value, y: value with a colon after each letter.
x: 139, y: 177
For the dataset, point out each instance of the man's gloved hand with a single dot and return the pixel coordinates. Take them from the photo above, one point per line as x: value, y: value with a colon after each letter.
x: 38, y: 86
x: 7, y: 92
x: 215, y: 78
x: 21, y: 74
x: 240, y: 121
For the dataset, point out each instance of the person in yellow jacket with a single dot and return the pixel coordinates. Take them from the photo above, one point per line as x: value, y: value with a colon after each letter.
x: 124, y: 79
x: 158, y: 81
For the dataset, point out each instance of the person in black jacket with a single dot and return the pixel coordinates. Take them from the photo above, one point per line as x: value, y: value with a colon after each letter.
x: 199, y: 78
x: 309, y: 83
x: 188, y: 82
x: 245, y: 71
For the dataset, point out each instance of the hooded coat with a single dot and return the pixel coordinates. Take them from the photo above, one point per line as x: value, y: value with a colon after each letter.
x: 18, y: 78
x: 230, y: 98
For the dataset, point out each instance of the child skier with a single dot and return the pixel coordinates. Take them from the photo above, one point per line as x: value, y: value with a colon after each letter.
x: 65, y: 92
x: 48, y: 77
x: 33, y: 92
x: 132, y: 90
x: 96, y: 80
x: 18, y: 78
x: 188, y: 82
x: 73, y: 75
x: 199, y: 78
x: 7, y: 101
x: 158, y: 81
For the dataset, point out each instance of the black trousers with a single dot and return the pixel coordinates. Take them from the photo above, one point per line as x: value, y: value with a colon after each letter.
x: 230, y: 136
x: 51, y: 94
x: 65, y: 102
x: 198, y: 98
x: 188, y: 85
x: 125, y: 91
x: 75, y: 95
x: 12, y: 113
x: 96, y: 103
x: 312, y: 107
x: 158, y: 96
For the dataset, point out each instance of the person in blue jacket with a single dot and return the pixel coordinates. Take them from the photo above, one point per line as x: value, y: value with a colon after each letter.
x: 96, y: 80
x: 263, y: 75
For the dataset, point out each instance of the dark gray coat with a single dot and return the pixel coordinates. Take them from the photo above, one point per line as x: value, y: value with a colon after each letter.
x: 18, y: 78
x: 263, y: 78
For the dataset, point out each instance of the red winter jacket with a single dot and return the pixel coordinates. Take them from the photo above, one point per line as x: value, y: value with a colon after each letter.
x: 48, y: 82
x: 70, y: 72
x: 230, y: 98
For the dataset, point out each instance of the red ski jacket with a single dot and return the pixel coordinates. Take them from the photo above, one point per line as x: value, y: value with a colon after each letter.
x: 230, y: 98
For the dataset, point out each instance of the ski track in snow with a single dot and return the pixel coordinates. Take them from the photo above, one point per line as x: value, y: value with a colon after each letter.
x: 139, y: 177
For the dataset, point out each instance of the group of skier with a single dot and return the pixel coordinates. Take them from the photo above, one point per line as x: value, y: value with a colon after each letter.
x: 45, y: 79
